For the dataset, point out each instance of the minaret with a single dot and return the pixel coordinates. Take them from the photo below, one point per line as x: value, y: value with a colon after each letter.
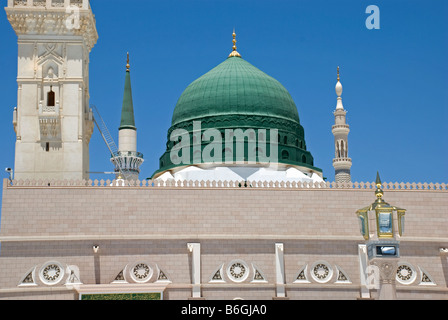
x: 341, y: 163
x: 127, y: 160
x: 52, y: 120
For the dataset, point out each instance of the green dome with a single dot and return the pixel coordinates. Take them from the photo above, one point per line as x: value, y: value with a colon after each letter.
x: 236, y: 96
x: 235, y: 87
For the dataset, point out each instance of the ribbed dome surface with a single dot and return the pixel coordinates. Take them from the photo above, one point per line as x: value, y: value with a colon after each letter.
x: 235, y: 87
x: 235, y: 98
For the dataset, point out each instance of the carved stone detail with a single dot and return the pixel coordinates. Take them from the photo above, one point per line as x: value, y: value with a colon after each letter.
x: 26, y: 21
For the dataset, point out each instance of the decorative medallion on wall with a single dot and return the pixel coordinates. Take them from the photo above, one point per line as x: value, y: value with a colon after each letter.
x: 258, y: 276
x: 28, y: 280
x: 238, y: 271
x: 341, y: 276
x: 141, y: 272
x: 302, y: 275
x: 426, y: 279
x: 218, y: 275
x: 405, y: 274
x: 74, y: 277
x: 161, y: 277
x: 51, y: 273
x: 121, y: 276
x: 321, y: 272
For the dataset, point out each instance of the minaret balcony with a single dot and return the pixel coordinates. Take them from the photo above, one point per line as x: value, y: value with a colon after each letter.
x: 50, y: 4
x: 342, y: 160
x: 50, y: 17
x: 342, y: 163
x: 134, y: 154
x: 340, y: 126
x: 49, y: 122
x: 340, y: 129
x: 128, y: 162
x: 49, y: 111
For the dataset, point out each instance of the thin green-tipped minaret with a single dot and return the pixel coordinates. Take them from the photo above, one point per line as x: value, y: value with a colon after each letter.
x: 127, y: 111
x: 127, y: 160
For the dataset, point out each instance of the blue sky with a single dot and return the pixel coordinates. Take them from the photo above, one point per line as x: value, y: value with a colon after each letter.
x: 395, y: 78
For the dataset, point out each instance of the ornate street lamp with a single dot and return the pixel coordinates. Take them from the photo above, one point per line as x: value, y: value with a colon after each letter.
x: 380, y: 220
x: 381, y: 225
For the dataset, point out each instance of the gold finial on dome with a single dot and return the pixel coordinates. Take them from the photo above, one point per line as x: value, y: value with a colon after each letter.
x: 338, y: 75
x: 234, y: 52
x: 127, y: 64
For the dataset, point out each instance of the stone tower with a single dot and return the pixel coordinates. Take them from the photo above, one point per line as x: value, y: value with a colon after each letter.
x: 341, y: 162
x: 53, y: 121
x: 127, y: 160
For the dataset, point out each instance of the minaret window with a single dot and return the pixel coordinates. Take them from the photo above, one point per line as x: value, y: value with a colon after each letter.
x: 51, y: 98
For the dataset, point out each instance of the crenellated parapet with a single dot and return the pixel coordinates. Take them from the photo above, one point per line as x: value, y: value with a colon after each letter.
x: 40, y: 183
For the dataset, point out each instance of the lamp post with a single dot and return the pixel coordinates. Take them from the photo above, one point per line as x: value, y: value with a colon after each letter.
x: 381, y: 225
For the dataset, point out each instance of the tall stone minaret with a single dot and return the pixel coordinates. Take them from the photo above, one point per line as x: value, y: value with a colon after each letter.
x: 52, y: 120
x: 127, y: 160
x: 341, y: 163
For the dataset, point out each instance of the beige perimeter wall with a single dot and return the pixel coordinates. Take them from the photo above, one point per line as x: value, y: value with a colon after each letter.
x: 155, y: 224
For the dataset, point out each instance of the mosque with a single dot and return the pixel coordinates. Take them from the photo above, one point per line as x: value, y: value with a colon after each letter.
x: 236, y: 211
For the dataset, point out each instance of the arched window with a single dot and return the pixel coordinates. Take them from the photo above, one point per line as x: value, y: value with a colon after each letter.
x: 338, y: 145
x: 285, y: 140
x: 303, y: 159
x: 285, y: 154
x: 51, y: 98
